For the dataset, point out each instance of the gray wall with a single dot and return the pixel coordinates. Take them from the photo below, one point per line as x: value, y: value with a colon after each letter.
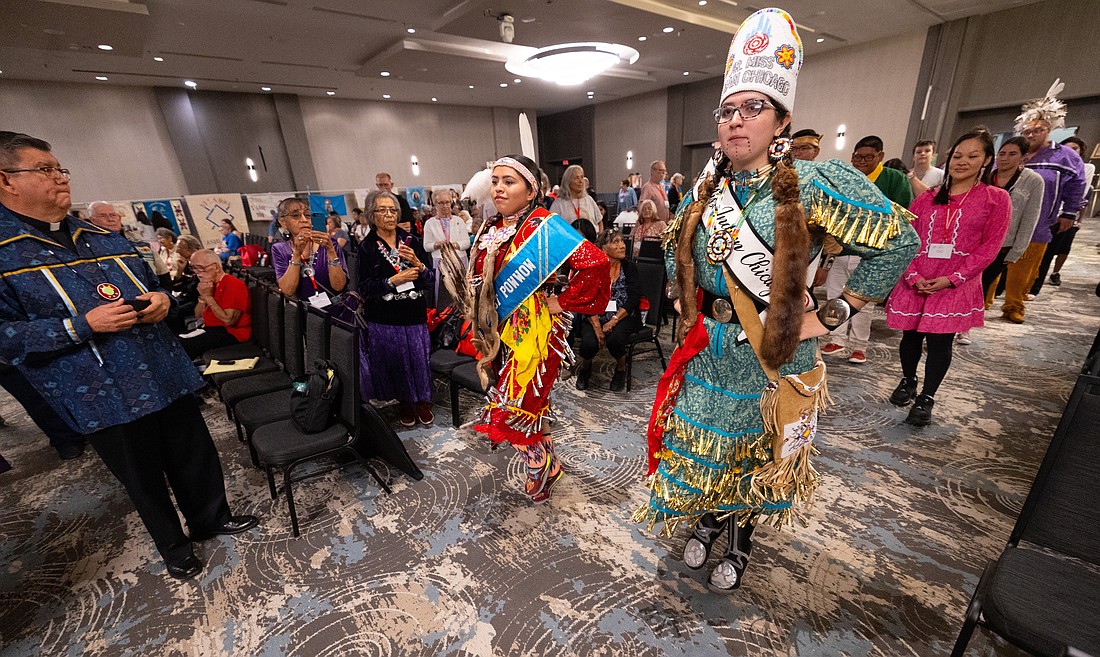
x: 352, y: 140
x: 114, y: 139
x: 996, y: 62
x: 637, y: 124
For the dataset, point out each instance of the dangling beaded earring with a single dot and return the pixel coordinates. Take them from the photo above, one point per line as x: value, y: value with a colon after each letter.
x: 779, y: 148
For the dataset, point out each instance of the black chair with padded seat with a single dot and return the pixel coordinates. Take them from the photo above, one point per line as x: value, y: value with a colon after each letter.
x: 274, y: 345
x: 254, y: 347
x: 652, y: 275
x: 235, y: 391
x: 444, y: 361
x: 274, y: 406
x: 463, y: 376
x: 1042, y: 593
x: 282, y: 446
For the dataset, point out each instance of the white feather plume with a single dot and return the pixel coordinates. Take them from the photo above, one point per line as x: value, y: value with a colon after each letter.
x: 1048, y: 108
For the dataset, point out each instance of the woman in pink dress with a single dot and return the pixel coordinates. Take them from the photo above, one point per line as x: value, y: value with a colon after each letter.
x: 961, y: 225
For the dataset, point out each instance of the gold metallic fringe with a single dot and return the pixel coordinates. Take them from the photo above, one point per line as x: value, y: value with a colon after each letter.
x: 720, y: 487
x: 850, y: 224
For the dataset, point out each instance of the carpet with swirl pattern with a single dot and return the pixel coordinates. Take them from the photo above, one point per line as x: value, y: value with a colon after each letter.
x: 461, y: 564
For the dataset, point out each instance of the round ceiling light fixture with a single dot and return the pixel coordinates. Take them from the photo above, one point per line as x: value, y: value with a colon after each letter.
x: 570, y: 64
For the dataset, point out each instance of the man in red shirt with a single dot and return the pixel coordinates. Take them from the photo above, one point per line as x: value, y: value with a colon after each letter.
x: 224, y: 306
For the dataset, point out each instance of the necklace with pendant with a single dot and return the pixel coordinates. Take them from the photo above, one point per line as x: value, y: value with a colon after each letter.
x: 724, y: 235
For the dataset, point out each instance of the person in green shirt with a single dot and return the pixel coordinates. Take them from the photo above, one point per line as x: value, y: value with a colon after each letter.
x: 853, y: 338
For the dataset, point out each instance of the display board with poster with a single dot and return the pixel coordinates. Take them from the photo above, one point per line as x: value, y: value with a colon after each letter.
x: 321, y: 204
x: 416, y: 196
x: 158, y: 214
x: 265, y: 207
x: 208, y: 211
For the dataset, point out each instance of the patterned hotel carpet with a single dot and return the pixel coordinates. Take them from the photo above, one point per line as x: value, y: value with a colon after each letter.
x: 460, y: 564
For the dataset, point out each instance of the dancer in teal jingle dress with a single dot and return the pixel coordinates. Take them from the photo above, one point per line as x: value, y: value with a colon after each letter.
x: 758, y: 220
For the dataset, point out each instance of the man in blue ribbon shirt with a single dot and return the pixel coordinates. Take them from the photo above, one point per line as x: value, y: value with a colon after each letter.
x: 81, y: 319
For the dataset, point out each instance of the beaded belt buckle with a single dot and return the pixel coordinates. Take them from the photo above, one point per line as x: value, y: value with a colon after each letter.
x: 719, y: 247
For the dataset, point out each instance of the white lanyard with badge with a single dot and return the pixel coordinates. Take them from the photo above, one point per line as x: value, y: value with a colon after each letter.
x: 944, y: 249
x: 319, y: 299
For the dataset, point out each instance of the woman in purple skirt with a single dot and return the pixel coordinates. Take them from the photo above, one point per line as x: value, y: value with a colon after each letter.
x: 394, y: 280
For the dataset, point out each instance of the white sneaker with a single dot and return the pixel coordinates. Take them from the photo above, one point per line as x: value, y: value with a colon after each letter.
x: 964, y: 338
x: 1029, y: 297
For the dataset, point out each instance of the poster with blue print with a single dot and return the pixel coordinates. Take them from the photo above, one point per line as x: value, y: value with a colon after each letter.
x: 327, y: 204
x: 416, y: 196
x: 157, y: 214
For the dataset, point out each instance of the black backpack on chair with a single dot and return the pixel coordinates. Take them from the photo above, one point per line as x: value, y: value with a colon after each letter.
x: 313, y: 396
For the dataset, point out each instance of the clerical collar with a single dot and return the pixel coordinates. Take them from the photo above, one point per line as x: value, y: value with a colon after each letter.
x: 59, y: 232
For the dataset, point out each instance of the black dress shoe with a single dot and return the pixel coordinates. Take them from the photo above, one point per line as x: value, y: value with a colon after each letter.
x: 921, y: 413
x: 582, y: 378
x: 235, y: 525
x: 70, y: 451
x: 904, y: 393
x: 185, y: 568
x: 618, y: 380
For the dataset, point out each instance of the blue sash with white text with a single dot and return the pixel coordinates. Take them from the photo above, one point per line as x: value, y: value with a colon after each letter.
x: 537, y: 259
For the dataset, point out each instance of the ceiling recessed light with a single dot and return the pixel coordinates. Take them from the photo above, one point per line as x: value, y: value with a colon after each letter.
x: 101, y: 78
x: 104, y: 46
x: 471, y: 86
x: 411, y: 30
x: 385, y: 74
x: 158, y: 59
x: 331, y: 93
x: 687, y: 72
x: 265, y: 88
x: 667, y: 30
x: 503, y: 85
x: 517, y: 81
x: 642, y: 38
x: 386, y: 96
x: 191, y: 83
x: 434, y: 99
x: 820, y: 39
x: 702, y: 3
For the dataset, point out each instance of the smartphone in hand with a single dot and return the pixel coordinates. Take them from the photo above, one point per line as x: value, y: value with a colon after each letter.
x: 137, y: 304
x: 319, y: 221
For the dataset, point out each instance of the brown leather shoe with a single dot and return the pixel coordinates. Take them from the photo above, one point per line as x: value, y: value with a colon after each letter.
x: 424, y: 413
x: 406, y: 415
x: 1014, y: 316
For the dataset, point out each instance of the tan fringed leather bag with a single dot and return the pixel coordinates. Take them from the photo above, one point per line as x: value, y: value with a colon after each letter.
x: 789, y: 406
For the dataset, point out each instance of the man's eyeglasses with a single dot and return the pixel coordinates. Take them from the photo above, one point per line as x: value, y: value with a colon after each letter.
x: 803, y: 148
x: 50, y: 172
x: 1034, y: 131
x: 209, y: 267
x: 750, y: 109
x: 863, y: 158
x: 393, y: 212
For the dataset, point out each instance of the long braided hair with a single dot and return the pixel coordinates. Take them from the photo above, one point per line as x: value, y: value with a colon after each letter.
x: 783, y: 325
x: 479, y: 301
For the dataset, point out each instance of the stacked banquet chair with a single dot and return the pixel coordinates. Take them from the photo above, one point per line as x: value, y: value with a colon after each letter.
x: 1042, y: 593
x: 282, y: 446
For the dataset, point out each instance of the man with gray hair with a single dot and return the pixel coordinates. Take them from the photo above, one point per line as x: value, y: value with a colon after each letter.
x: 224, y: 306
x: 654, y: 190
x: 81, y: 319
x: 105, y: 215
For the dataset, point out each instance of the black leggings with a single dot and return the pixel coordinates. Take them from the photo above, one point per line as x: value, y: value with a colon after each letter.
x: 937, y: 364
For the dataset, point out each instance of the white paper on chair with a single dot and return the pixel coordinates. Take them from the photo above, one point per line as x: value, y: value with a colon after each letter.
x: 193, y: 334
